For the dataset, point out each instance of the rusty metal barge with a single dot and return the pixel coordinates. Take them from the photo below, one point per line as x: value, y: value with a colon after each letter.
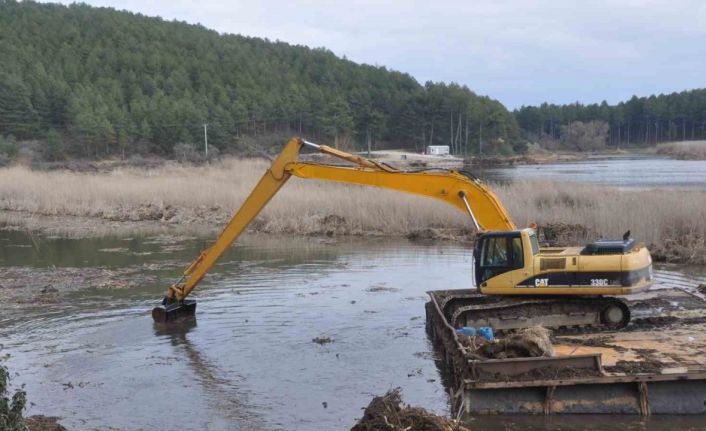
x: 657, y: 365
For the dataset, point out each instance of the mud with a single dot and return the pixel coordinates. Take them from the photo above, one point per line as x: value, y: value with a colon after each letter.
x: 642, y: 323
x: 36, y: 286
x: 593, y: 342
x: 660, y: 322
x: 633, y: 367
x: 526, y: 343
x: 588, y: 342
x: 549, y: 373
x: 386, y: 413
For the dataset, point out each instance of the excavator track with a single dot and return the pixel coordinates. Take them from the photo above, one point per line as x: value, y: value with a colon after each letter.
x: 504, y: 313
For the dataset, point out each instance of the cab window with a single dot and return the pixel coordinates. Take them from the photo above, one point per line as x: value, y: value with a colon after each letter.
x: 518, y: 259
x: 494, y: 252
x: 535, y: 243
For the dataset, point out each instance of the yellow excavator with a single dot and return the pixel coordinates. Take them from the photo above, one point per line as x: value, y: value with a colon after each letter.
x: 518, y: 283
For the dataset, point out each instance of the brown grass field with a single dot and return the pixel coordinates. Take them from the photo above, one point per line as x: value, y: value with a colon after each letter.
x: 672, y: 221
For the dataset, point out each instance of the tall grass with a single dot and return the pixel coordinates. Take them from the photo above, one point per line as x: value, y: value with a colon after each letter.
x: 211, y: 194
x: 186, y: 194
x: 651, y: 215
x: 685, y: 150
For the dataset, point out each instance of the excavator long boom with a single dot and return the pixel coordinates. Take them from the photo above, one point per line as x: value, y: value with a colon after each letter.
x: 462, y: 191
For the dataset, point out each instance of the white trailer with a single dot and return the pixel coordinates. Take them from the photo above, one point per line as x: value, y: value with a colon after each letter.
x: 438, y: 150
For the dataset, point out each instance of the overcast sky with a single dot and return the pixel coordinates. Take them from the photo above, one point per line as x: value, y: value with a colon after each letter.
x: 519, y: 52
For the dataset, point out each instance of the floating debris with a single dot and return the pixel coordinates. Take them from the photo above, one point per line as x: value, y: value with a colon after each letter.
x: 386, y: 413
x: 322, y: 340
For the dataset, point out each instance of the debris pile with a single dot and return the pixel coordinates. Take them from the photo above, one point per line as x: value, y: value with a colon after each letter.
x: 530, y: 342
x: 686, y: 248
x: 43, y: 423
x: 386, y: 413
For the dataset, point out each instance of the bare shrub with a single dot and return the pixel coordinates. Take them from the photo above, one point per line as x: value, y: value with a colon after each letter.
x: 580, y: 136
x: 186, y: 153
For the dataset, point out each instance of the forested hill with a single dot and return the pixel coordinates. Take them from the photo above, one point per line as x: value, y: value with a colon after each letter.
x: 640, y: 121
x: 96, y: 82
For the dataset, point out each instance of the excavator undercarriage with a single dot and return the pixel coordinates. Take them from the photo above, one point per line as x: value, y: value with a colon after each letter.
x: 503, y: 313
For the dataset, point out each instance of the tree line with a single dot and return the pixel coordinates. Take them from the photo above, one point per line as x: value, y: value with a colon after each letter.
x: 96, y: 82
x: 640, y: 121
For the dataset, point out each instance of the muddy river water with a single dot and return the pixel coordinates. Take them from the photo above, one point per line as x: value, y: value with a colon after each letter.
x: 94, y: 357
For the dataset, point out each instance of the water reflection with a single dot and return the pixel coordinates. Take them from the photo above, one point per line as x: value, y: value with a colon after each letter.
x: 225, y: 393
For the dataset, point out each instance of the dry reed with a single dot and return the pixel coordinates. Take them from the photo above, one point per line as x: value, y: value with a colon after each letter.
x: 201, y: 195
x: 684, y: 150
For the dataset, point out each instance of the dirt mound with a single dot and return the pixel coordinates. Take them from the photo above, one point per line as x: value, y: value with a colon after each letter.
x: 528, y: 343
x: 386, y: 413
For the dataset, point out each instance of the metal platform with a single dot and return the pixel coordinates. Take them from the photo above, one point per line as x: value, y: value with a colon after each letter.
x: 657, y: 365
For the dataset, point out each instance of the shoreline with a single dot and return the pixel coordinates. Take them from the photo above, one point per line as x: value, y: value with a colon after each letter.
x: 673, y: 251
x: 400, y: 158
x: 84, y: 227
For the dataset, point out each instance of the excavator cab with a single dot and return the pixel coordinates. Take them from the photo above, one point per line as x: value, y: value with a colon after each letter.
x: 496, y: 253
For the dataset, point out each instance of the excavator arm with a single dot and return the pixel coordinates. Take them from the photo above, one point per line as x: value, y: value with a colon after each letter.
x: 462, y: 191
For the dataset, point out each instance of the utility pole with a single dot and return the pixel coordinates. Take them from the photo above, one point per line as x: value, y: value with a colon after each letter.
x: 205, y: 139
x: 367, y: 138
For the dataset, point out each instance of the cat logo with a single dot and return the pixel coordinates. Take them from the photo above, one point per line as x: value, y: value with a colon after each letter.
x: 541, y: 282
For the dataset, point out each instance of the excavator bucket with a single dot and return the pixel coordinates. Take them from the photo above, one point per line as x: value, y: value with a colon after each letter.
x: 185, y: 309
